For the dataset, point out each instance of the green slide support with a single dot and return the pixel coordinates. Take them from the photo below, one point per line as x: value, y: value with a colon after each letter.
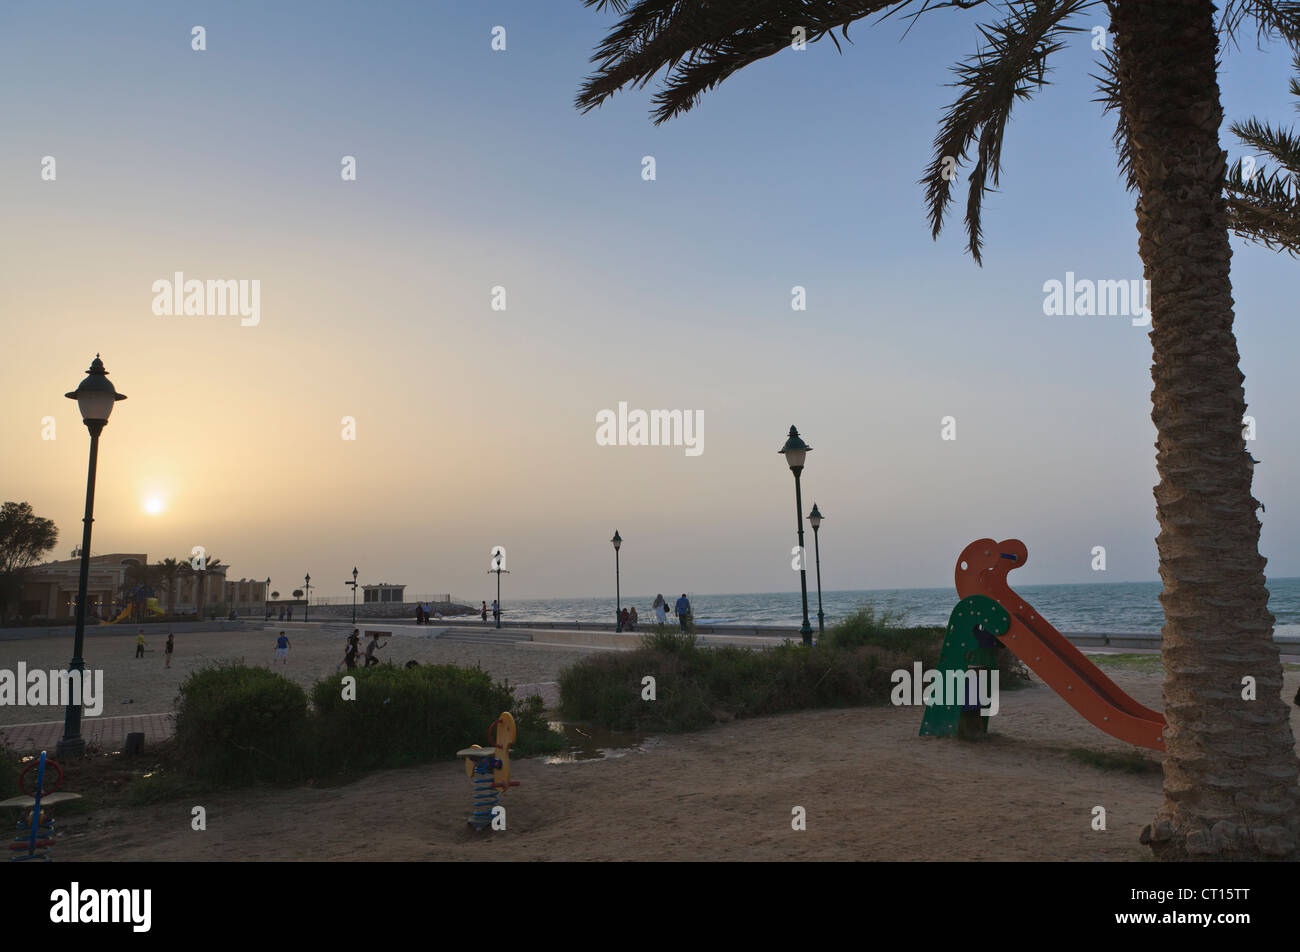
x: 962, y: 651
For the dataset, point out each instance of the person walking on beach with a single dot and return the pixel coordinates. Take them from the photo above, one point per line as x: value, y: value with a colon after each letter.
x: 171, y: 643
x: 661, y: 609
x: 624, y: 623
x: 139, y: 644
x: 281, y: 648
x: 372, y: 647
x: 631, y: 618
x: 496, y: 611
x: 354, y: 646
x: 683, y: 610
x: 485, y: 613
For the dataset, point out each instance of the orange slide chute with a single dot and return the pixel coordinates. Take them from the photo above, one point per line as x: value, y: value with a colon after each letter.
x: 982, y: 569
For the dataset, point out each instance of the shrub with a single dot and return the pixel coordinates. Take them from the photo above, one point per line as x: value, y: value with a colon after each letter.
x: 10, y: 765
x: 695, y: 686
x: 412, y: 715
x: 236, y: 725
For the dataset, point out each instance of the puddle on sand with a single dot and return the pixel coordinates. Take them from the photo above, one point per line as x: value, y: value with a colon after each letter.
x: 596, y: 743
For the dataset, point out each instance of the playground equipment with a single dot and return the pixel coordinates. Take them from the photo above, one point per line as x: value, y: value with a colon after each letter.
x: 150, y: 606
x: 969, y: 645
x: 489, y: 769
x: 982, y: 570
x: 37, y: 827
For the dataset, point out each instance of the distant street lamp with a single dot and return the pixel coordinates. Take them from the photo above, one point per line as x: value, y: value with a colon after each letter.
x: 497, y: 570
x: 266, y: 599
x: 794, y: 451
x: 95, y: 397
x: 306, y: 598
x: 815, y: 520
x: 353, y: 583
x: 618, y: 596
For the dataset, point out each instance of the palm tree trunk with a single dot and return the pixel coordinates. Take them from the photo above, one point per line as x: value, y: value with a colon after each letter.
x: 1230, y: 769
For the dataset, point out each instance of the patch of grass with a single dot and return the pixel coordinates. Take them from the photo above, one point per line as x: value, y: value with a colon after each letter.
x: 1129, y: 761
x: 1130, y: 662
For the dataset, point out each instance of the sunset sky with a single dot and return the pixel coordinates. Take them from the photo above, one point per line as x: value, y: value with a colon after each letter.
x: 477, y: 427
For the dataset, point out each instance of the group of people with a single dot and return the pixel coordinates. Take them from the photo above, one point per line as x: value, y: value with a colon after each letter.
x: 496, y: 610
x: 167, y: 651
x: 423, y: 612
x: 286, y: 613
x: 354, y: 648
x: 682, y: 610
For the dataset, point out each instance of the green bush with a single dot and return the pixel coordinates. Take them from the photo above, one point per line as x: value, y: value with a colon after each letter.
x: 10, y: 765
x: 695, y: 686
x: 237, y: 725
x: 411, y: 715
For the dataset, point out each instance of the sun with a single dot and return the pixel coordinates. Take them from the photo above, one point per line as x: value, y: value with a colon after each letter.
x: 153, y: 505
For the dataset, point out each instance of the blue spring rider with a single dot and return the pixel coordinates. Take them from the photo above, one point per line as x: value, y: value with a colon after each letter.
x: 36, y: 829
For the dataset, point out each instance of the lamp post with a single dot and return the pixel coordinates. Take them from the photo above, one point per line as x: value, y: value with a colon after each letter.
x: 306, y: 595
x: 95, y: 397
x: 497, y: 570
x: 353, y: 583
x: 618, y: 595
x: 794, y: 451
x: 815, y: 520
x: 266, y: 600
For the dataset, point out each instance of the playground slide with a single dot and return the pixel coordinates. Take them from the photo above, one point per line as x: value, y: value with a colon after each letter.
x: 151, y: 606
x: 982, y: 569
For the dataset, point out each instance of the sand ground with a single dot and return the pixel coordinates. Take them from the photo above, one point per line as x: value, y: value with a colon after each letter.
x: 871, y: 788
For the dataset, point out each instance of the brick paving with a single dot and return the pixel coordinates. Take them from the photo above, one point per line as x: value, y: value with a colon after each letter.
x: 106, y: 733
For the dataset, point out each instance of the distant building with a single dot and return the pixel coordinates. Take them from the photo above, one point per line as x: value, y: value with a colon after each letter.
x: 383, y: 592
x: 50, y: 590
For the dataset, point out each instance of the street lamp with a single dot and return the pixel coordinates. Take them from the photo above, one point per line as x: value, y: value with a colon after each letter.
x: 815, y: 520
x: 794, y: 451
x: 353, y: 583
x: 306, y: 597
x: 618, y: 597
x: 266, y: 599
x: 95, y: 397
x: 497, y: 569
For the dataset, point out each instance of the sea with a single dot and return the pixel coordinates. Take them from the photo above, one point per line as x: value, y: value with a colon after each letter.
x: 1111, y: 607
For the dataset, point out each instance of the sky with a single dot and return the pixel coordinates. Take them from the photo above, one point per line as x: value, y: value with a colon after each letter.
x: 476, y: 427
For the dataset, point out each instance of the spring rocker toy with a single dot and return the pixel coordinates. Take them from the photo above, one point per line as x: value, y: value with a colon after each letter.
x: 36, y: 834
x: 489, y: 769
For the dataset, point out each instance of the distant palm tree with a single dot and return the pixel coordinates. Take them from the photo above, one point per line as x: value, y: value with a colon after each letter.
x: 170, y: 570
x: 1230, y: 772
x: 1263, y: 206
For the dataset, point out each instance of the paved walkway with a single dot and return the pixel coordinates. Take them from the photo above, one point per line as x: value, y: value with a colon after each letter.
x: 106, y: 733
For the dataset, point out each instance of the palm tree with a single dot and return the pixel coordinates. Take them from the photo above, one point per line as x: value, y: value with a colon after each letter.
x: 209, y: 564
x: 170, y: 568
x: 1263, y: 207
x: 1230, y: 787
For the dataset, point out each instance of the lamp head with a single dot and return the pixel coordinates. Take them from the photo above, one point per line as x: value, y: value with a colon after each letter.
x: 95, y: 396
x: 795, y: 450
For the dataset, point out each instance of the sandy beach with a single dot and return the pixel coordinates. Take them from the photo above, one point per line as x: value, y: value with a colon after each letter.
x: 871, y: 788
x: 150, y: 687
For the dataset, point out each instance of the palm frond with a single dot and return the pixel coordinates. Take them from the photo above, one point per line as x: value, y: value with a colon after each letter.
x: 1271, y: 18
x: 1263, y: 205
x: 699, y: 43
x: 1010, y: 65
